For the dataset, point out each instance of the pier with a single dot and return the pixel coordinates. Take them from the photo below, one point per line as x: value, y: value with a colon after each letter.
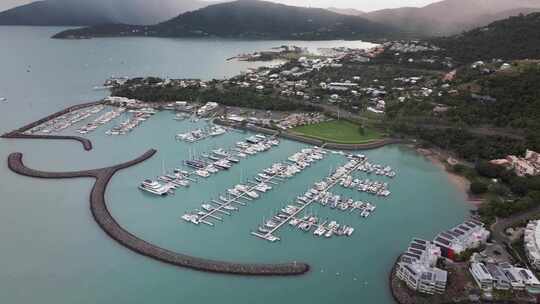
x: 110, y: 226
x: 234, y: 199
x: 269, y: 236
x: 19, y: 133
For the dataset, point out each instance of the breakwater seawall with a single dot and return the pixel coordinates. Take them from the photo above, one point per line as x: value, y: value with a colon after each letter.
x: 20, y: 132
x: 112, y: 228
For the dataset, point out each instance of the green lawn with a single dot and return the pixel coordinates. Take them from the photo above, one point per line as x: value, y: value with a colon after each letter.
x: 338, y: 131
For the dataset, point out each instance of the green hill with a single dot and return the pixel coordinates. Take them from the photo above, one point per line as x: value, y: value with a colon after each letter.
x: 512, y: 38
x: 249, y: 19
x: 94, y: 12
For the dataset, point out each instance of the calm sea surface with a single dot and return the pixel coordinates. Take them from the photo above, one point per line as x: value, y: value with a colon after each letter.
x: 53, y: 252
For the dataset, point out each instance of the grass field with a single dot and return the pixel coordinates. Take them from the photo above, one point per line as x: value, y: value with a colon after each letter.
x: 338, y: 131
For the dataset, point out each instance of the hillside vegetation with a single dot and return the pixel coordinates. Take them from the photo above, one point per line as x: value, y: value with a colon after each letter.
x: 249, y: 19
x: 512, y: 38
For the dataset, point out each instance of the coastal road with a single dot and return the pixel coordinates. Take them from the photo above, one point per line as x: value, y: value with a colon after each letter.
x: 500, y: 225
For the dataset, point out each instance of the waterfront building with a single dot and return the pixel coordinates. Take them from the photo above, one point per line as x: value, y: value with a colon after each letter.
x: 531, y: 241
x: 417, y: 268
x: 500, y: 281
x: 481, y: 276
x: 469, y: 235
x: 504, y: 276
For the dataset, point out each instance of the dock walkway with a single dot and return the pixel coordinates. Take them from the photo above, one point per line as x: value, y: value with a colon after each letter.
x: 235, y: 199
x: 19, y: 133
x: 270, y: 234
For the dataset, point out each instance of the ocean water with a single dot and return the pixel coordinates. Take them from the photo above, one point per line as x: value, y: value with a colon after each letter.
x: 53, y: 252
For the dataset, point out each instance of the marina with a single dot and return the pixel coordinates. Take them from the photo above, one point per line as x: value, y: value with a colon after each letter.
x: 65, y: 121
x: 335, y: 201
x: 201, y: 134
x: 136, y: 119
x: 327, y: 227
x: 366, y: 185
x: 324, y: 228
x: 111, y: 270
x: 207, y: 164
x: 316, y: 193
x: 241, y: 194
x: 101, y: 120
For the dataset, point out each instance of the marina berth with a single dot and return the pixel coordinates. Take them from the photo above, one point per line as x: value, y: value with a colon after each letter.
x: 32, y: 130
x: 366, y: 185
x: 101, y: 120
x: 201, y: 134
x: 138, y: 117
x: 181, y: 116
x: 65, y: 121
x: 221, y: 159
x: 241, y: 194
x: 318, y: 193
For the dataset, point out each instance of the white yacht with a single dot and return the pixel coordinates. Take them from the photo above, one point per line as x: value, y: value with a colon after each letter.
x: 202, y: 173
x: 220, y: 152
x: 154, y: 187
x: 212, y: 169
x: 252, y: 194
x: 216, y: 131
x: 234, y: 192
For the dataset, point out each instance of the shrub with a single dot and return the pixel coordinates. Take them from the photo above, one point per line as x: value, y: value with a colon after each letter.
x: 486, y: 169
x: 459, y: 168
x: 478, y: 187
x: 518, y: 186
x: 500, y: 190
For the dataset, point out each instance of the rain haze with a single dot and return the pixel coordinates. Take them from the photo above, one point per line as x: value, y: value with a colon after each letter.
x: 359, y: 5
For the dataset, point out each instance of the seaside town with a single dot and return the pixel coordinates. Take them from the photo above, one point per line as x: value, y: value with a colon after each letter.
x: 463, y: 263
x: 284, y: 146
x: 327, y: 151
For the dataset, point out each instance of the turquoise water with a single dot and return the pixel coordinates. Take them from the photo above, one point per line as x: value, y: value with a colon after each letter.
x: 53, y: 252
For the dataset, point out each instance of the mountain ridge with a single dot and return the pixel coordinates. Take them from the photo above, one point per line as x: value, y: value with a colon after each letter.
x: 251, y: 19
x: 95, y: 12
x: 450, y: 17
x: 509, y: 39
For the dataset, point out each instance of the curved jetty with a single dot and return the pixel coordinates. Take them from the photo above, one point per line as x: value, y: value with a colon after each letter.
x: 105, y: 220
x: 19, y: 133
x: 87, y: 144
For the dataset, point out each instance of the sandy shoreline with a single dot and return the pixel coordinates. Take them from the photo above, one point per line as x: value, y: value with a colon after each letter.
x: 438, y: 158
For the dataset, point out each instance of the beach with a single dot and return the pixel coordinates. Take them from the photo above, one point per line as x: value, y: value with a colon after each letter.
x: 441, y: 159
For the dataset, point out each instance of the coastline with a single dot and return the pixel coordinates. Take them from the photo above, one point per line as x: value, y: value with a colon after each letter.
x: 439, y: 158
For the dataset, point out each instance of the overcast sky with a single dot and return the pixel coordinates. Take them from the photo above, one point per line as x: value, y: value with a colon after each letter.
x: 364, y: 5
